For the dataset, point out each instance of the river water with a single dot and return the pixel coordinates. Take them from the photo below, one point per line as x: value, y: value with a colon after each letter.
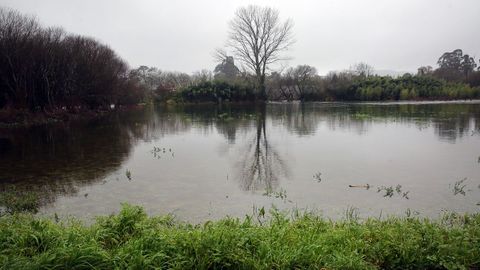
x: 205, y: 162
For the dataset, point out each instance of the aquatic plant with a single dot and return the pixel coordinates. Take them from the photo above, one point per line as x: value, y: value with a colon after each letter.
x: 225, y: 117
x: 361, y: 116
x: 410, y: 213
x: 128, y: 174
x: 318, y: 177
x: 280, y: 194
x: 390, y: 191
x: 459, y: 187
x: 158, y: 151
x: 13, y: 200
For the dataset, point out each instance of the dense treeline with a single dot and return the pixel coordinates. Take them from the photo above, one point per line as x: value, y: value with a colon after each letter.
x: 342, y: 86
x: 303, y: 83
x: 47, y: 68
x: 455, y: 78
x: 407, y: 87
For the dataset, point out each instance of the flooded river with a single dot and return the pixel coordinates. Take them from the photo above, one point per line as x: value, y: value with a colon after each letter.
x: 205, y: 162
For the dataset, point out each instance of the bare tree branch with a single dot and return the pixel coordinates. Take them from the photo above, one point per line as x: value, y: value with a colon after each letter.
x: 257, y: 37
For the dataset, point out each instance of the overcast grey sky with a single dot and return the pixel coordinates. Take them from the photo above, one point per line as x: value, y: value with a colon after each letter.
x: 331, y: 35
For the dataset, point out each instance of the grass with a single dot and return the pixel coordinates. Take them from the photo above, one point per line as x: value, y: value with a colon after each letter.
x: 130, y: 239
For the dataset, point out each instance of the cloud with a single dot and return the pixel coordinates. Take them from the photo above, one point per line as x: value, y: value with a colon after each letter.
x: 331, y: 35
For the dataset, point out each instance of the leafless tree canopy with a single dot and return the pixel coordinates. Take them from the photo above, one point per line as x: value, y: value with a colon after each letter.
x: 258, y: 38
x: 295, y: 83
x: 362, y: 69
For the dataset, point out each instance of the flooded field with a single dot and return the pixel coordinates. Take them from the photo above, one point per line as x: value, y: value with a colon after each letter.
x: 205, y: 162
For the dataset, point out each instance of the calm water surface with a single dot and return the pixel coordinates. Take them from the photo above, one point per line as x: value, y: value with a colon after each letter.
x: 205, y: 162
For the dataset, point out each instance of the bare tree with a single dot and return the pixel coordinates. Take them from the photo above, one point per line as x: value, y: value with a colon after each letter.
x: 257, y: 38
x: 362, y: 69
x: 295, y: 83
x: 424, y: 70
x: 303, y: 76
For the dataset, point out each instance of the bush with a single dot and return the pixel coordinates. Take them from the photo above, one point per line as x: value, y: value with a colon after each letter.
x: 217, y: 91
x: 404, y: 88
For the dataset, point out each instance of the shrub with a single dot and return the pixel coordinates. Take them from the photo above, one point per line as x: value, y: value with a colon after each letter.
x: 217, y: 91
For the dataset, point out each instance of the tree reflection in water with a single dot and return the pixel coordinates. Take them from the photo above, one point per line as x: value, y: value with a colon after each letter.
x: 58, y: 159
x: 261, y: 166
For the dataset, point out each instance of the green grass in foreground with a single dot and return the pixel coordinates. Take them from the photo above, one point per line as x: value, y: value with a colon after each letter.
x: 133, y: 240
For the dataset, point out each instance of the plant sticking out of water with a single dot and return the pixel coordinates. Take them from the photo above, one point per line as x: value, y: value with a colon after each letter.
x: 128, y: 174
x: 158, y: 151
x: 390, y: 191
x: 14, y: 201
x: 225, y: 117
x: 281, y: 194
x: 318, y: 177
x: 361, y: 116
x: 409, y: 213
x: 459, y: 187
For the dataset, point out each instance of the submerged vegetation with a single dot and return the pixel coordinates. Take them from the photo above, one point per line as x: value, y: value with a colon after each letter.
x: 13, y: 200
x: 128, y: 174
x: 390, y: 191
x: 459, y: 187
x: 130, y: 239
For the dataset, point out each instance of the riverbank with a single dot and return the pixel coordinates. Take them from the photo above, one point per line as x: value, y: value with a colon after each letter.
x: 23, y: 118
x: 130, y: 239
x: 10, y: 118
